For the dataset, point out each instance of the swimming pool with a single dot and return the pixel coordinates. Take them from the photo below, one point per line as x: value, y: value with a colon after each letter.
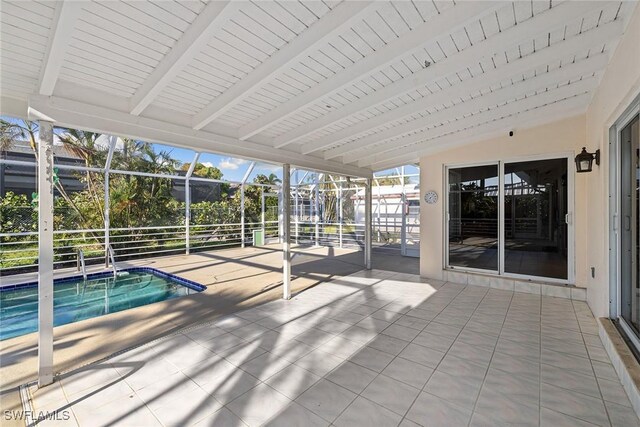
x: 75, y: 299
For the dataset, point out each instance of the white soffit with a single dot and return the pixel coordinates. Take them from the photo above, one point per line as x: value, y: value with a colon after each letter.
x: 348, y: 87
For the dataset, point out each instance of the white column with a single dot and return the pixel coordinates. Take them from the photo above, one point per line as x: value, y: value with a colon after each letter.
x: 187, y: 203
x: 45, y: 254
x: 285, y: 213
x: 187, y: 216
x: 262, y: 216
x: 107, y: 208
x: 297, y: 204
x: 280, y: 217
x: 379, y: 207
x: 403, y: 211
x: 316, y: 207
x: 367, y: 224
x: 107, y: 219
x: 242, y: 215
x: 340, y: 207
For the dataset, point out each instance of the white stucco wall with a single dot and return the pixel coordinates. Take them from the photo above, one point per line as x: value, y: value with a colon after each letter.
x: 555, y: 139
x: 619, y: 86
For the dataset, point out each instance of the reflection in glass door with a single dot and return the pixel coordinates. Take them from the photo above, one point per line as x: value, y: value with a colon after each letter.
x: 630, y: 224
x: 535, y: 210
x: 473, y: 217
x: 510, y: 218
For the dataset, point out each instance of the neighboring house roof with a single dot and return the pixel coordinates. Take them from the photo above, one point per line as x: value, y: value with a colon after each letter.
x: 24, y: 147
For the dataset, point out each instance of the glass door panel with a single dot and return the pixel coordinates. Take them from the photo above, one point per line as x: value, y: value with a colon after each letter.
x: 535, y: 227
x: 630, y: 227
x: 473, y: 217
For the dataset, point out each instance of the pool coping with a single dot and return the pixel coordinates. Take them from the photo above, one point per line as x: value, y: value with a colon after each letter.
x: 180, y: 280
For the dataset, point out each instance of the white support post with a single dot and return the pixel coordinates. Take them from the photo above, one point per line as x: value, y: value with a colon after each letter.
x: 187, y: 204
x: 316, y: 207
x: 187, y: 217
x: 297, y: 213
x: 107, y: 207
x: 379, y: 208
x: 285, y: 213
x: 107, y: 219
x: 403, y: 213
x: 45, y: 254
x: 262, y: 216
x: 367, y: 224
x: 242, y: 219
x: 280, y: 217
x: 242, y: 215
x: 340, y: 207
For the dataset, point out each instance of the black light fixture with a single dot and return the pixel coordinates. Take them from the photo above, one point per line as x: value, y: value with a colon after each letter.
x: 584, y: 160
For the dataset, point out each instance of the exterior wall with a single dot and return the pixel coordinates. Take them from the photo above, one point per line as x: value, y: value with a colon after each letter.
x: 619, y: 86
x: 555, y: 139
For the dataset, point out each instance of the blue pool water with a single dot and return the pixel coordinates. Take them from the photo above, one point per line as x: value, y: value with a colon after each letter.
x: 75, y: 300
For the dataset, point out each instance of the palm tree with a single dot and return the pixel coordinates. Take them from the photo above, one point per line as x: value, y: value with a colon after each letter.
x: 84, y: 145
x: 20, y: 129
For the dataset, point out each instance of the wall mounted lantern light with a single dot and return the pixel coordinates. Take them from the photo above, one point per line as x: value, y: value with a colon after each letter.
x: 584, y: 160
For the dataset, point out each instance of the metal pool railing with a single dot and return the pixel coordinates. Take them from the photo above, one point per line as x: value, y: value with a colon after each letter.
x: 19, y: 251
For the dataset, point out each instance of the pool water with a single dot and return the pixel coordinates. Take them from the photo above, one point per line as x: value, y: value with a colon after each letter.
x: 75, y: 300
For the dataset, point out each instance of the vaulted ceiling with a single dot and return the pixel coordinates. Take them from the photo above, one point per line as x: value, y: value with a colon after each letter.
x: 347, y: 87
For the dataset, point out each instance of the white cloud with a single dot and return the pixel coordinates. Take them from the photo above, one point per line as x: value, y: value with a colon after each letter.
x: 207, y: 164
x: 231, y: 163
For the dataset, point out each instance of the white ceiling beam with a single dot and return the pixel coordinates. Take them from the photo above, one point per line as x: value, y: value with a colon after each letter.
x: 80, y: 115
x: 67, y: 13
x: 354, y: 150
x: 558, y: 111
x: 437, y: 26
x: 214, y: 15
x: 419, y: 141
x: 13, y: 107
x: 542, y: 22
x: 416, y: 141
x: 340, y: 18
x: 556, y: 52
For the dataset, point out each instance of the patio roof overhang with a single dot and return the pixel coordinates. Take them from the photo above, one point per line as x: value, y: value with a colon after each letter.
x: 349, y: 87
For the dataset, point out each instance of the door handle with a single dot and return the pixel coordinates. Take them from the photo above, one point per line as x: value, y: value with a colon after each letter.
x: 627, y: 222
x: 567, y: 218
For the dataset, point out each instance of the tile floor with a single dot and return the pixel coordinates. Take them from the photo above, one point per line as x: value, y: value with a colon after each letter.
x: 374, y: 348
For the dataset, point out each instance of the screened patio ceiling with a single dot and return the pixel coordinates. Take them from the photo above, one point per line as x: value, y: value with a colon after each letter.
x: 346, y: 87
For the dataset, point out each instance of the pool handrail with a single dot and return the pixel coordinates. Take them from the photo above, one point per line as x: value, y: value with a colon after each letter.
x: 81, y: 264
x: 113, y: 261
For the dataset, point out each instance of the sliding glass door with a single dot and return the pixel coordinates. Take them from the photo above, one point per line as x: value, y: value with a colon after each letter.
x: 473, y: 217
x: 510, y: 218
x: 535, y: 212
x: 630, y: 227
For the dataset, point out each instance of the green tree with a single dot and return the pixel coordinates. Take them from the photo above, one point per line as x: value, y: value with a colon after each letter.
x: 16, y: 214
x: 203, y: 171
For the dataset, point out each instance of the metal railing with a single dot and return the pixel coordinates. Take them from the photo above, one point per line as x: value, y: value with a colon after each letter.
x: 19, y: 251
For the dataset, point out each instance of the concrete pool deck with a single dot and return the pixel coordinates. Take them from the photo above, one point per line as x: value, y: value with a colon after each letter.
x: 236, y: 279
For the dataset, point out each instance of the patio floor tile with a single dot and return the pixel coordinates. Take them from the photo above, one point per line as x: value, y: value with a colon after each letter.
x: 332, y: 356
